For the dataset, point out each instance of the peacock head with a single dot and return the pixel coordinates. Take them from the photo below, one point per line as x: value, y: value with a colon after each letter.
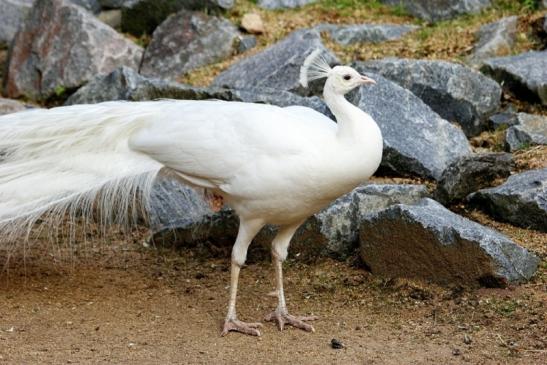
x: 340, y: 79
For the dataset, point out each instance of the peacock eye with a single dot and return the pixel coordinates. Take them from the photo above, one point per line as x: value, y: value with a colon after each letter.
x: 347, y: 77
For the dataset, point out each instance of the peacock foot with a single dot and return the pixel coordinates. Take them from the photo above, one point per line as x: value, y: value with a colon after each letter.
x: 282, y: 318
x: 239, y: 326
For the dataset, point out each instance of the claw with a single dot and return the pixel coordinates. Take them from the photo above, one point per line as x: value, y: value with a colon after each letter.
x: 295, y: 321
x: 242, y: 327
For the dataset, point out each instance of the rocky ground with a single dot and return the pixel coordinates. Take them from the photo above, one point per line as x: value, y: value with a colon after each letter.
x: 441, y: 257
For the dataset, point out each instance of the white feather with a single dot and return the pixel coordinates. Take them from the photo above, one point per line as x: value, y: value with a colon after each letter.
x: 315, y: 67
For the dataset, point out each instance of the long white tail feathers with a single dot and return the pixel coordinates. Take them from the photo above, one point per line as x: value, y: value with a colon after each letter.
x: 72, y: 161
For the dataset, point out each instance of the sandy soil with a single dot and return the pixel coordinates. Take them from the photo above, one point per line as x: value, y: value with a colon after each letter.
x: 125, y: 303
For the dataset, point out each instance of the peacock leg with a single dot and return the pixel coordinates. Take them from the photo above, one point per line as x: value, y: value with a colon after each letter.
x: 281, y: 315
x: 247, y: 231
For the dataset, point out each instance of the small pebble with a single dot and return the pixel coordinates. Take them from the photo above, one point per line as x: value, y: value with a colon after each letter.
x: 456, y: 352
x: 336, y: 344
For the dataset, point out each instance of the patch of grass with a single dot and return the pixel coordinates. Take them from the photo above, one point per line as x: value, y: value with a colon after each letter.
x: 60, y: 91
x: 507, y: 308
x: 399, y: 10
x: 424, y: 33
x: 348, y: 4
x: 516, y: 6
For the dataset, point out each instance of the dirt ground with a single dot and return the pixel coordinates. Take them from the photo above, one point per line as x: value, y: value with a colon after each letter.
x: 123, y: 302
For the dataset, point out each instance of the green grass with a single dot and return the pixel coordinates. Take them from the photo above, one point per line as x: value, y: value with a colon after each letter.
x: 346, y: 6
x: 60, y: 91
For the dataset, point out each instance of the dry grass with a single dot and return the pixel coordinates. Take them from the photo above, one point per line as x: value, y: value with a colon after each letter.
x: 531, y: 158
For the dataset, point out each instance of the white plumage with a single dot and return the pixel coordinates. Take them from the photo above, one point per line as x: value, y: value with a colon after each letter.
x: 272, y: 165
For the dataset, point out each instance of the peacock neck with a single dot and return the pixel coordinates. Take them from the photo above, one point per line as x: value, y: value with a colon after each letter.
x: 353, y: 123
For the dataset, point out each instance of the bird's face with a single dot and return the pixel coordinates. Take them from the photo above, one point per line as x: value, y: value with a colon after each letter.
x: 343, y: 79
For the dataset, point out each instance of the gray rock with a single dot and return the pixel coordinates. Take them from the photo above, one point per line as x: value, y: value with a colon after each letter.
x: 521, y: 200
x: 277, y: 67
x: 435, y: 10
x: 283, y: 4
x: 530, y: 130
x: 89, y: 5
x: 504, y: 119
x: 338, y: 224
x: 116, y: 4
x: 332, y: 232
x: 524, y: 75
x: 60, y: 47
x: 495, y: 39
x: 8, y: 106
x: 427, y: 241
x: 417, y: 141
x: 143, y: 16
x: 280, y: 98
x: 175, y: 205
x: 188, y: 40
x: 246, y: 43
x: 457, y: 93
x: 471, y: 173
x: 126, y: 84
x: 120, y: 84
x: 372, y: 198
x: 360, y: 33
x: 12, y: 13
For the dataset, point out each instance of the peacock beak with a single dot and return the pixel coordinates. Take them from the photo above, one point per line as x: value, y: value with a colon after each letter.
x: 367, y: 80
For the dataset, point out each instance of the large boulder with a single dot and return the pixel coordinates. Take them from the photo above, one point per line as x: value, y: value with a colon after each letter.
x: 457, y: 93
x: 471, y: 173
x: 495, y: 39
x: 531, y: 129
x: 521, y: 200
x: 143, y: 16
x: 332, y: 232
x: 417, y: 141
x: 337, y: 226
x: 60, y: 47
x: 188, y: 40
x: 12, y: 13
x: 524, y: 75
x: 435, y: 10
x: 283, y: 4
x: 277, y: 67
x: 126, y: 84
x: 361, y: 33
x: 427, y: 241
